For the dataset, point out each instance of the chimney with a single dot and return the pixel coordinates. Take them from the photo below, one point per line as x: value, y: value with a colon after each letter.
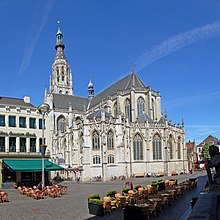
x: 27, y: 99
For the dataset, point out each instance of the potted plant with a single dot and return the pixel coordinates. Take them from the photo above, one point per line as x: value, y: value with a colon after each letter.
x: 111, y: 193
x: 137, y: 186
x: 95, y: 205
x: 154, y: 186
x: 125, y: 191
x: 94, y: 196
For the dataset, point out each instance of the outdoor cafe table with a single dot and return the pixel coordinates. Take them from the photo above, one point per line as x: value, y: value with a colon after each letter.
x: 165, y: 194
x: 155, y: 200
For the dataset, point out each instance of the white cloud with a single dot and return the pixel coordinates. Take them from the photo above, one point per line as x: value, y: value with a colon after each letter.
x: 195, y: 98
x: 177, y: 42
x: 200, y: 132
x: 30, y: 46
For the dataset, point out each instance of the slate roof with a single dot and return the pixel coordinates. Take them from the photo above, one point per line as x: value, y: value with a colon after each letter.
x: 162, y: 120
x: 210, y: 138
x: 126, y: 83
x: 98, y: 114
x: 144, y: 117
x: 17, y: 102
x: 62, y: 101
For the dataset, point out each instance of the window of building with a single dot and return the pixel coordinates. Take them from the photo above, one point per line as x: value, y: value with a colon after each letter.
x: 111, y: 159
x: 170, y: 146
x: 115, y: 109
x: 2, y: 120
x: 140, y: 106
x: 12, y: 121
x: 96, y: 160
x: 22, y: 144
x: 138, y: 147
x: 41, y: 124
x: 110, y: 140
x: 179, y: 148
x: 61, y: 124
x: 81, y: 142
x: 40, y: 141
x: 153, y: 109
x: 32, y: 144
x: 32, y: 123
x: 2, y: 144
x: 157, y: 151
x: 128, y: 109
x: 12, y: 144
x: 22, y: 122
x: 95, y: 141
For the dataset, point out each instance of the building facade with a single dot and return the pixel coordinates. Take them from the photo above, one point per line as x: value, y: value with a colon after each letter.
x: 192, y: 156
x: 120, y: 131
x: 210, y: 140
x: 20, y: 136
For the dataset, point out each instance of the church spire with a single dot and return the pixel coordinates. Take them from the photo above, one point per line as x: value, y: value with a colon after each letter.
x: 59, y: 34
x: 59, y: 44
x: 61, y: 78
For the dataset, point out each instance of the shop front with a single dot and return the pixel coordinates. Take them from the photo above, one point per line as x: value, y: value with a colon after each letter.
x: 27, y: 172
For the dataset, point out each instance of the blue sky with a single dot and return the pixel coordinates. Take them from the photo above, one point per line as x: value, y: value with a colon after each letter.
x: 174, y: 44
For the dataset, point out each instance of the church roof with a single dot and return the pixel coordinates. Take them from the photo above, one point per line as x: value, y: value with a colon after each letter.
x: 162, y: 120
x: 15, y: 102
x: 62, y: 101
x: 144, y: 117
x: 128, y: 82
x: 98, y: 114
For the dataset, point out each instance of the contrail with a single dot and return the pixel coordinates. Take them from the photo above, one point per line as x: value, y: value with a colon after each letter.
x: 30, y: 47
x: 177, y: 42
x: 195, y: 98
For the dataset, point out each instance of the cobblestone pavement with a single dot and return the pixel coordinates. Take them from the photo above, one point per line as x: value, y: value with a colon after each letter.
x: 73, y: 206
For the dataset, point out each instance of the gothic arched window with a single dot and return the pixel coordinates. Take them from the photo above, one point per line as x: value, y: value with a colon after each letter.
x: 61, y: 124
x: 157, y: 150
x: 110, y: 140
x: 179, y: 148
x: 140, y: 106
x: 138, y: 147
x: 81, y: 143
x: 95, y: 141
x: 111, y: 159
x: 115, y: 109
x: 170, y: 146
x: 96, y: 160
x: 128, y: 109
x: 153, y: 109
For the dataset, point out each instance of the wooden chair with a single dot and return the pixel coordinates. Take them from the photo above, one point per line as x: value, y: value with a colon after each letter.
x: 107, y: 206
x: 164, y: 202
x: 113, y: 205
x: 140, y: 201
x: 152, y: 208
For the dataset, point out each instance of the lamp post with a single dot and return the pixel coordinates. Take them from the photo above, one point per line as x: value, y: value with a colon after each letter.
x: 43, y: 109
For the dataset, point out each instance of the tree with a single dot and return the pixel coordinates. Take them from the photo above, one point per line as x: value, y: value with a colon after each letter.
x: 205, y: 152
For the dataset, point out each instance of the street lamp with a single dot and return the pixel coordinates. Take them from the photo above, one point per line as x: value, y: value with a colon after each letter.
x: 43, y: 109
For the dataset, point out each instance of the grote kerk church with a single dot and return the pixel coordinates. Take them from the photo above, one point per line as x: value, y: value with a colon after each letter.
x: 120, y: 131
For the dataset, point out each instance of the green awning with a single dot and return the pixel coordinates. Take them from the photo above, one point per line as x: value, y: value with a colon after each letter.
x: 31, y: 165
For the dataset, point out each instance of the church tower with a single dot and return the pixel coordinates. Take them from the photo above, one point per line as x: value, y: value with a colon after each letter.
x: 61, y: 77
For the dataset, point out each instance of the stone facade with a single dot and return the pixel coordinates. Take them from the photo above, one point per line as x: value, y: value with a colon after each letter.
x: 120, y: 131
x: 20, y: 131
